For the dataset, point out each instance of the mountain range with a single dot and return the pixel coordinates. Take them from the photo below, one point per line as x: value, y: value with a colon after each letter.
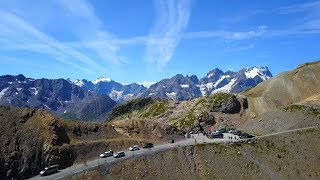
x: 92, y: 100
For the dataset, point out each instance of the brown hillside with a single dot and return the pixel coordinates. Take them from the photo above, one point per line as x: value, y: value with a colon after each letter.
x: 313, y: 101
x: 284, y: 89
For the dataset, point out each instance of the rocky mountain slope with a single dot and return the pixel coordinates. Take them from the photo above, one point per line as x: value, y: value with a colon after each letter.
x: 285, y: 156
x: 57, y: 96
x: 185, y: 88
x: 285, y: 89
x: 71, y: 98
x: 115, y: 90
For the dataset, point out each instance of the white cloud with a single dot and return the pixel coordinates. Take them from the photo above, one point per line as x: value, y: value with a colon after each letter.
x: 229, y: 35
x: 300, y: 7
x: 91, y: 32
x: 171, y: 20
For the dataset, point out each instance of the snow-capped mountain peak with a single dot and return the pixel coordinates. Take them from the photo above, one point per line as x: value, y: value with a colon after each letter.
x: 257, y: 71
x: 101, y: 79
x: 78, y: 82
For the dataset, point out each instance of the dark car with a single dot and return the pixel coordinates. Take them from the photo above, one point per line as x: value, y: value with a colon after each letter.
x: 172, y: 141
x: 250, y: 136
x: 246, y: 135
x: 222, y: 130
x: 49, y: 170
x: 148, y: 145
x: 217, y: 135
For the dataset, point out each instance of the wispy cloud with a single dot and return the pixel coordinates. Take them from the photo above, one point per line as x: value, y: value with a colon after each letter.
x: 91, y: 32
x: 301, y: 7
x: 172, y: 18
x: 228, y: 35
x: 16, y: 33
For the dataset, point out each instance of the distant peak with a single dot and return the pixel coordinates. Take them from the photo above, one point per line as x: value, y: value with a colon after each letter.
x: 101, y: 79
x: 262, y: 72
x: 78, y: 82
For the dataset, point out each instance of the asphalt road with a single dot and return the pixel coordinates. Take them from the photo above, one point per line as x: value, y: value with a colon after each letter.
x: 195, y: 139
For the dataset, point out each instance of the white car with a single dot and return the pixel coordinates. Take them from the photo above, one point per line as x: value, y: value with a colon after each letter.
x: 106, y: 154
x: 119, y: 154
x: 134, y: 148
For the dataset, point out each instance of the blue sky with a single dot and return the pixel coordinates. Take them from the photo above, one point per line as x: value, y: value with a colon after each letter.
x: 145, y: 41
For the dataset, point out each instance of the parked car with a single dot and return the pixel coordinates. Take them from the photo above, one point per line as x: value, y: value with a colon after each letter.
x: 246, y: 135
x: 106, y: 154
x: 222, y: 130
x: 148, y: 145
x: 49, y: 170
x: 119, y: 154
x: 172, y: 141
x: 134, y: 148
x: 217, y: 135
x: 231, y: 131
x: 250, y: 136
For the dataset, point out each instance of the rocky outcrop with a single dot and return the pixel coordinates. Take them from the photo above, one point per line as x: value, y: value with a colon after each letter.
x: 130, y: 106
x: 232, y: 105
x: 205, y: 120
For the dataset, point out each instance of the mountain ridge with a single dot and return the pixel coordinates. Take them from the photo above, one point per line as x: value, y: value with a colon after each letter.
x: 68, y: 98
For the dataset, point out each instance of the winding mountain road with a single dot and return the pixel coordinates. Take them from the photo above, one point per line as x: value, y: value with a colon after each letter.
x: 195, y: 139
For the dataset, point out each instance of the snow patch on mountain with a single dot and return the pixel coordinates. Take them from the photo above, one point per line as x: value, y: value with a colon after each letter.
x: 101, y: 79
x: 203, y: 89
x: 46, y: 106
x: 209, y: 85
x: 115, y: 95
x: 3, y: 92
x: 225, y: 88
x: 184, y: 85
x: 256, y: 71
x: 171, y: 95
x: 19, y: 89
x: 221, y: 79
x: 210, y: 75
x: 78, y: 82
x: 34, y: 91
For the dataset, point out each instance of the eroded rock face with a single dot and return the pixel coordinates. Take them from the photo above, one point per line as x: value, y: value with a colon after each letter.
x: 203, y: 121
x: 30, y: 140
x: 232, y: 105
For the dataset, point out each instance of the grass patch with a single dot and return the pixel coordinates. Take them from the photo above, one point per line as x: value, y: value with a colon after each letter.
x: 129, y: 107
x: 307, y: 109
x: 155, y: 109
